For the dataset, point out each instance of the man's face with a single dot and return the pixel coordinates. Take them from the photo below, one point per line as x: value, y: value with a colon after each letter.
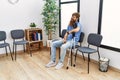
x: 73, y: 18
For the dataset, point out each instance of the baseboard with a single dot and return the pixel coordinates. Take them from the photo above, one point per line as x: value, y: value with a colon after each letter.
x: 20, y: 51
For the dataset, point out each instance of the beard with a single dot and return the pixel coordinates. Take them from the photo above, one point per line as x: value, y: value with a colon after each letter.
x: 72, y: 21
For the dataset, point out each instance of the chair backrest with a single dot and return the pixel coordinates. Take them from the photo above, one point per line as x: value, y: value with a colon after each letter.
x: 17, y: 34
x: 2, y: 35
x: 81, y: 37
x: 94, y: 39
x: 63, y: 33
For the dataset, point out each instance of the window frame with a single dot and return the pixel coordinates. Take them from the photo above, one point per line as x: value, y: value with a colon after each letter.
x: 67, y: 2
x: 99, y: 28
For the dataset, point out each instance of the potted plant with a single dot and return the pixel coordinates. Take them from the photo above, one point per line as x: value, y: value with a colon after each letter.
x: 32, y: 25
x: 50, y: 17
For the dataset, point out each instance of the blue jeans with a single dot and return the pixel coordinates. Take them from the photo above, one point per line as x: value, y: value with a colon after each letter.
x: 63, y: 48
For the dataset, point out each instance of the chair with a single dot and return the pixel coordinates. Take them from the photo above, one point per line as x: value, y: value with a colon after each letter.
x: 63, y: 33
x: 3, y: 44
x: 94, y: 40
x: 18, y: 39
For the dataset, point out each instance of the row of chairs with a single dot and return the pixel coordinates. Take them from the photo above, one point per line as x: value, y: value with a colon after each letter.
x: 18, y: 39
x: 93, y: 39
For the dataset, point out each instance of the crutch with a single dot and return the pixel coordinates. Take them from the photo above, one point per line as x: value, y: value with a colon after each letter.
x: 70, y: 54
x: 69, y: 58
x: 75, y: 54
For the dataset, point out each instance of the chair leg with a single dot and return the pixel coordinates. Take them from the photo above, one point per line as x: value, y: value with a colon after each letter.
x: 76, y: 55
x: 30, y: 50
x: 50, y: 50
x: 24, y: 47
x: 83, y: 56
x: 6, y: 51
x: 13, y: 48
x: 98, y: 55
x: 15, y: 52
x: 88, y: 61
x: 71, y: 57
x: 10, y: 52
x: 59, y: 53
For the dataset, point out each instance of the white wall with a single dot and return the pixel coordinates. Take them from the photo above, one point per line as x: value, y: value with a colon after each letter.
x: 89, y: 10
x: 19, y: 16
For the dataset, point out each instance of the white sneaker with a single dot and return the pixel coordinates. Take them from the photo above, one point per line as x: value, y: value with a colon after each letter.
x: 59, y: 65
x: 50, y: 64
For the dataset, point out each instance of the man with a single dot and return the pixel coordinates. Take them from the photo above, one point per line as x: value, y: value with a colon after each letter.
x: 73, y: 30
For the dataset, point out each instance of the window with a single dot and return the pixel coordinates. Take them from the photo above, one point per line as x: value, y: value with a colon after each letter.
x: 67, y: 0
x: 67, y: 7
x: 109, y: 24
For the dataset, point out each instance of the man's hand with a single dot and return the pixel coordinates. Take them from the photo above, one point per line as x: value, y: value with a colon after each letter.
x: 64, y: 41
x: 65, y: 38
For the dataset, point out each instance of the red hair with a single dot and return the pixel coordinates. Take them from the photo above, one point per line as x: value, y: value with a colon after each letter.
x: 77, y: 16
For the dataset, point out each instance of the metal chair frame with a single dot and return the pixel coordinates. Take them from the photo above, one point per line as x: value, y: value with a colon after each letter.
x: 4, y: 44
x: 18, y: 39
x: 94, y: 40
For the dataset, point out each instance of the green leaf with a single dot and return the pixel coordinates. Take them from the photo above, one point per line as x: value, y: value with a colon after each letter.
x: 50, y: 15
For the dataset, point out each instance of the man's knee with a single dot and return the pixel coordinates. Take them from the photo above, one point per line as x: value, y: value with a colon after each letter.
x: 54, y: 44
x: 63, y: 47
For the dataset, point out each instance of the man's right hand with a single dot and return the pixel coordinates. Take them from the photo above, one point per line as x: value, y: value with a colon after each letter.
x: 64, y: 41
x: 65, y: 37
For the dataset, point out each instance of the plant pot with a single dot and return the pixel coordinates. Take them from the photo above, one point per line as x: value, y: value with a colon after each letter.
x: 49, y: 34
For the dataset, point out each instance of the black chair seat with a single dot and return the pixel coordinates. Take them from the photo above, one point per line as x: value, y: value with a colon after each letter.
x: 76, y: 46
x: 4, y: 45
x: 86, y: 50
x: 20, y: 42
